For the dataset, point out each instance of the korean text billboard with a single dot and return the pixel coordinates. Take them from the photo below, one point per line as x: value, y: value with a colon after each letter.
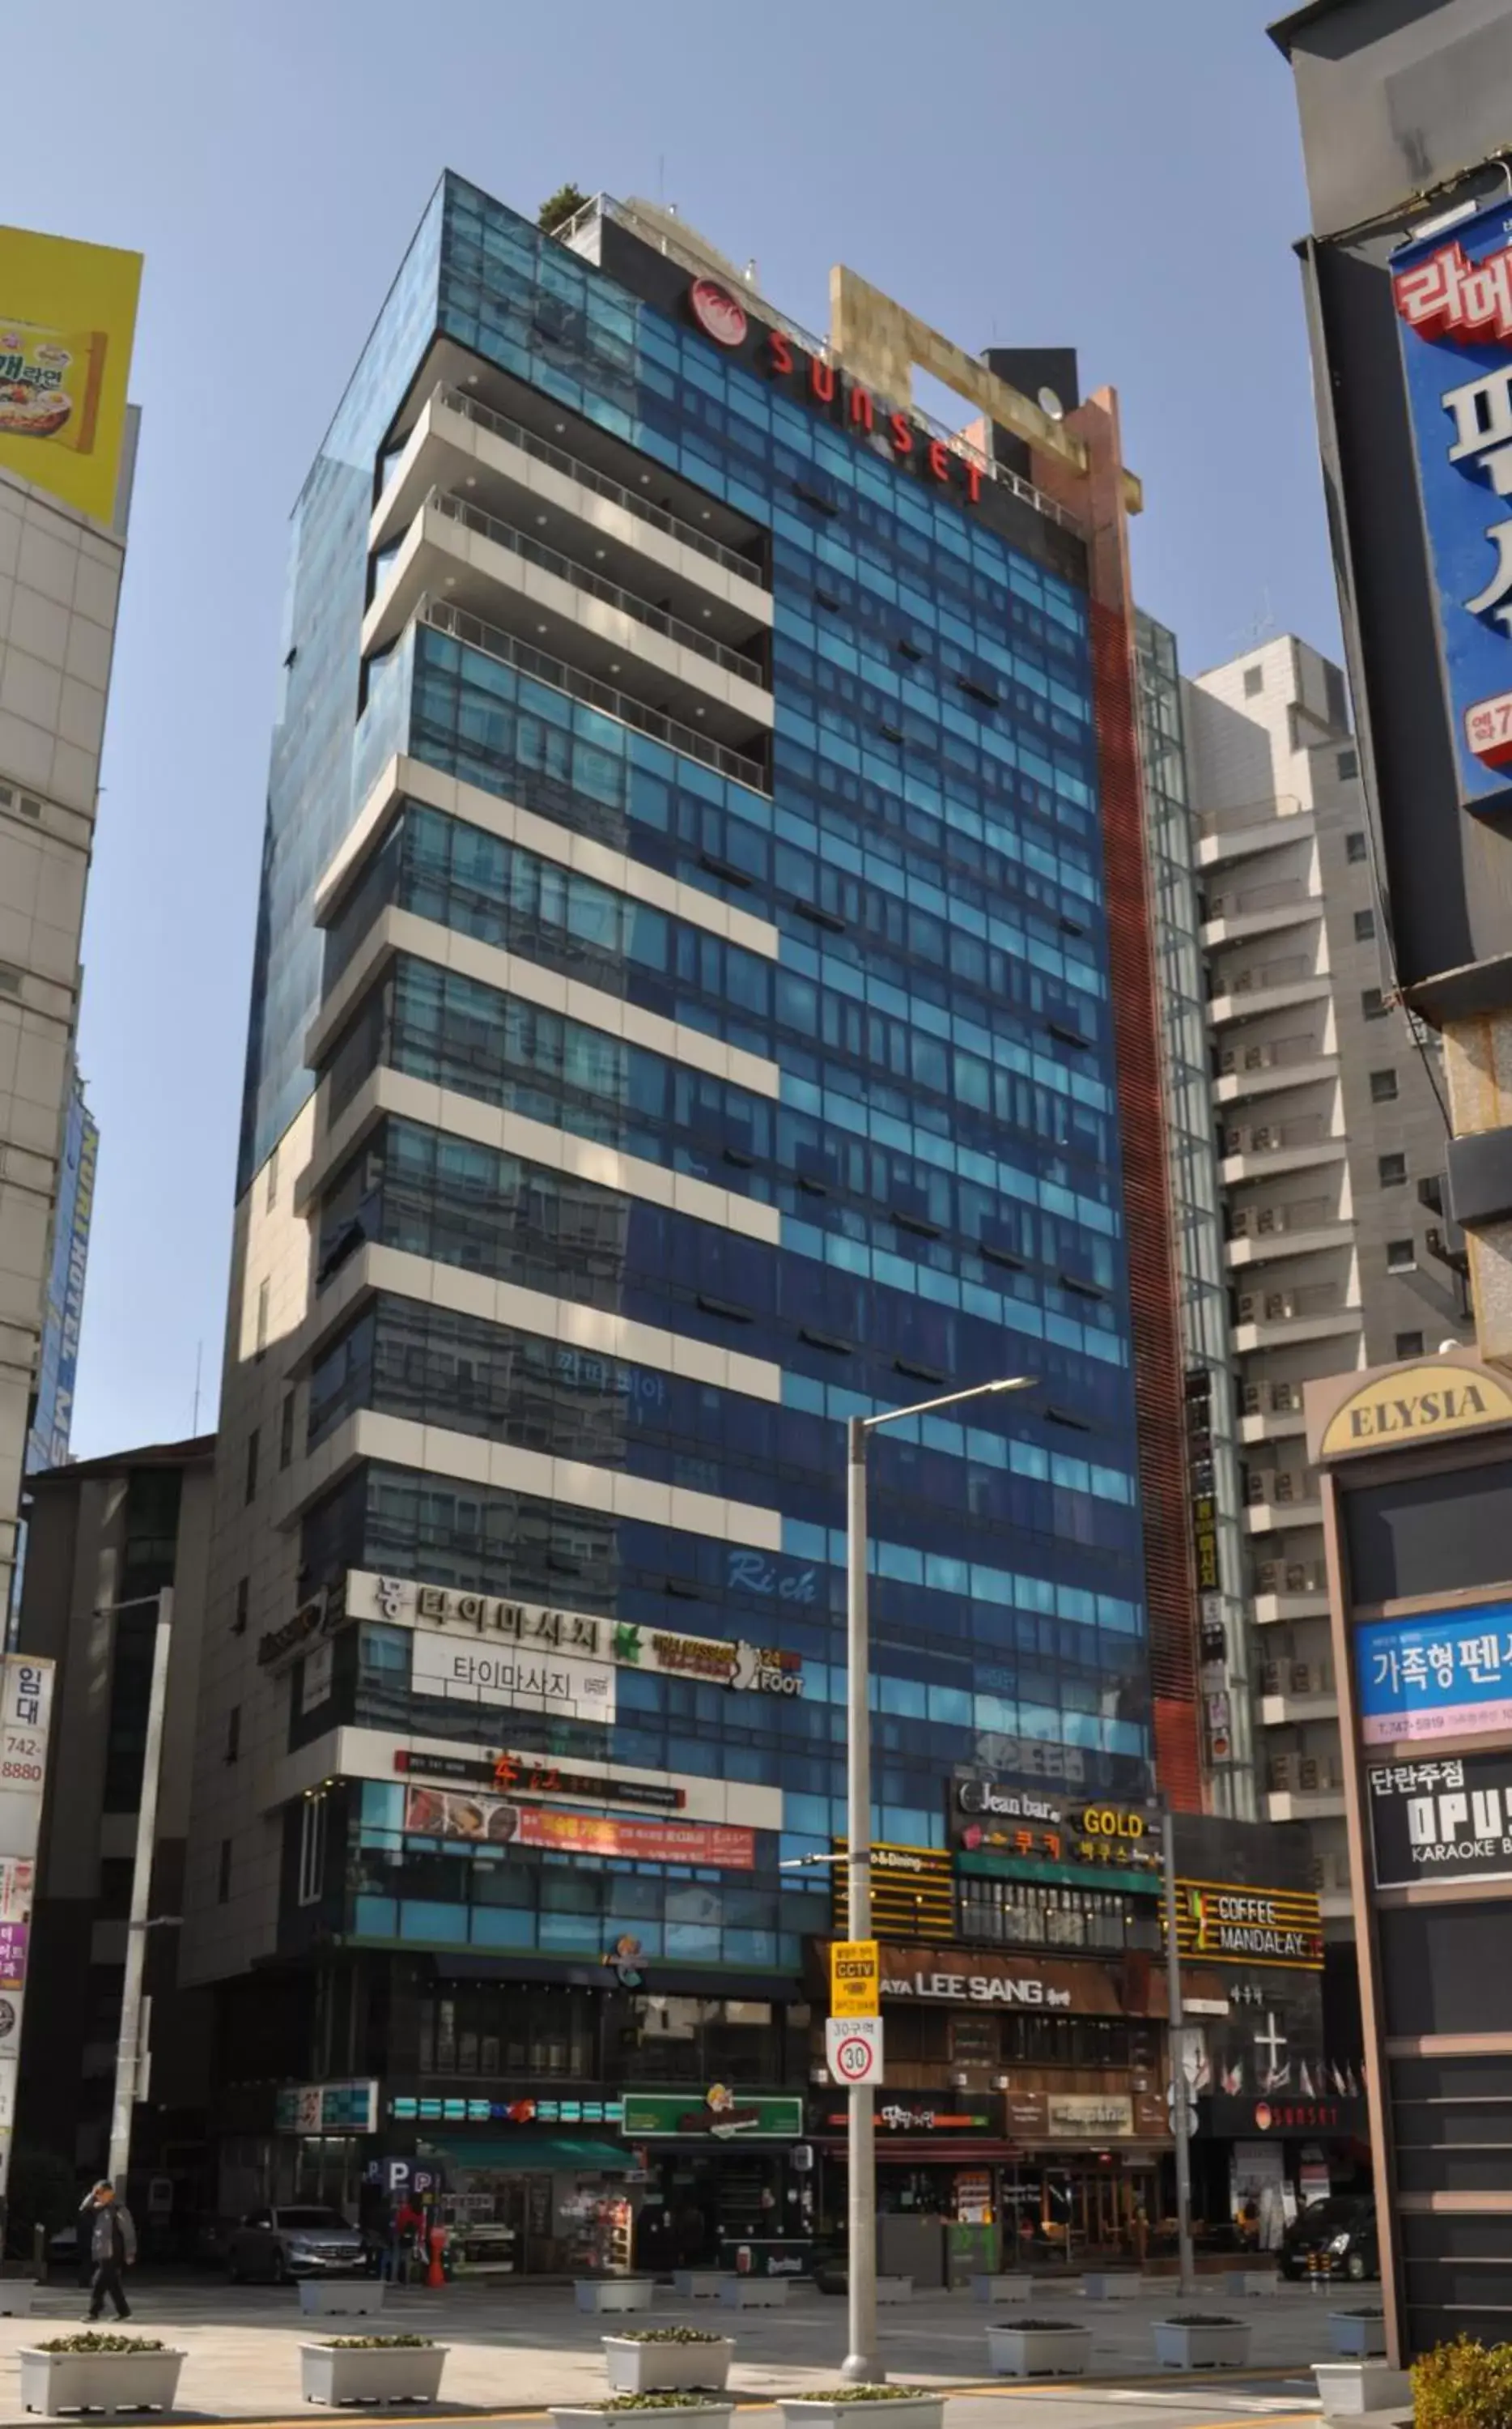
x: 1439, y: 1674
x: 67, y: 316
x: 498, y: 1821
x: 1454, y: 301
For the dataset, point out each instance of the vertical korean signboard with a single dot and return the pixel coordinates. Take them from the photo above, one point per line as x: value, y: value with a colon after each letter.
x: 25, y: 1722
x: 1454, y: 301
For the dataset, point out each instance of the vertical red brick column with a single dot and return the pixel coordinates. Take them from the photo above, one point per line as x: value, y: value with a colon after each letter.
x: 1170, y: 1576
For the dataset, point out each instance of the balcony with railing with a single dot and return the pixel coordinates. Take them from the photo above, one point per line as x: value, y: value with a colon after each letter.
x: 1230, y: 912
x: 1243, y: 990
x: 1266, y: 1319
x: 1259, y: 1150
x: 520, y: 585
x: 1259, y: 1066
x: 540, y: 667
x: 1294, y: 1227
x: 461, y: 443
x: 1243, y: 828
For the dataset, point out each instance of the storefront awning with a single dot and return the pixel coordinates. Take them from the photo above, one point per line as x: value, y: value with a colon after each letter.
x: 510, y: 2157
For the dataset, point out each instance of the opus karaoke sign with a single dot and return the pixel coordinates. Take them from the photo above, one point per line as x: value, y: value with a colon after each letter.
x: 722, y: 317
x: 1454, y: 301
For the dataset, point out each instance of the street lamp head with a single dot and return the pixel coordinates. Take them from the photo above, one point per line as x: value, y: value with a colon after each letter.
x: 950, y: 1400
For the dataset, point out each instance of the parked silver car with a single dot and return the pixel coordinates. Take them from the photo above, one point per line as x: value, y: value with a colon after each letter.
x: 301, y: 2242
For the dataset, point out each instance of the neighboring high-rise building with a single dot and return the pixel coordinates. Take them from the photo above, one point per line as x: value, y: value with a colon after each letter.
x: 104, y: 1536
x: 67, y: 445
x: 704, y: 990
x: 1213, y: 1469
x: 58, y: 1361
x: 1328, y: 1100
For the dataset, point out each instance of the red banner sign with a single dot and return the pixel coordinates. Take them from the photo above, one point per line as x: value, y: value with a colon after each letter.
x: 498, y: 1821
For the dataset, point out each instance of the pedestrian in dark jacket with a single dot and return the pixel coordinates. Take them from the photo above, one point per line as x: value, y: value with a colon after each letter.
x: 112, y: 2248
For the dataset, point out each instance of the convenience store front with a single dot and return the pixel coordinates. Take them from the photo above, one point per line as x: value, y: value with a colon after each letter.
x: 729, y: 2180
x: 533, y: 2202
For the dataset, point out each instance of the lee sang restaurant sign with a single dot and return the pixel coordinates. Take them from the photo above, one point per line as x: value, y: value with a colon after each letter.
x: 962, y: 1977
x: 1442, y: 1820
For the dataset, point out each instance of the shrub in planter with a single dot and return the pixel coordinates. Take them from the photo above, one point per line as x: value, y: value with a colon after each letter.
x: 371, y: 2370
x: 906, y: 2407
x: 1361, y: 2332
x: 1464, y: 2386
x: 99, y: 2372
x: 701, y: 2411
x: 1202, y: 2340
x: 648, y: 2359
x: 1039, y: 2348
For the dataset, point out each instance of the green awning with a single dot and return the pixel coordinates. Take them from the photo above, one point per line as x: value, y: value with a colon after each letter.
x: 1071, y: 1877
x: 517, y: 2155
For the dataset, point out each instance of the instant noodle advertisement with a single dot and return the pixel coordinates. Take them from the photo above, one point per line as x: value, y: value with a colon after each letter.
x: 67, y: 316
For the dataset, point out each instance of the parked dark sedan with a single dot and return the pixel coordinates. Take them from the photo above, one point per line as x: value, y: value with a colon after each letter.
x: 301, y: 2242
x: 1336, y: 2237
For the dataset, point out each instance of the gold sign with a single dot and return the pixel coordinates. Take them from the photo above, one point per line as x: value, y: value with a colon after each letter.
x: 855, y: 1977
x: 1419, y: 1404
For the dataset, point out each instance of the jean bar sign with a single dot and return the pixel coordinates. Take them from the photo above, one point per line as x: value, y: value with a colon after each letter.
x: 1442, y: 1820
x: 1453, y: 303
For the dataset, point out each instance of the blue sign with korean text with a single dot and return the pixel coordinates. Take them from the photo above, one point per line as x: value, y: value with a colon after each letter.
x: 1454, y: 301
x: 1443, y: 1675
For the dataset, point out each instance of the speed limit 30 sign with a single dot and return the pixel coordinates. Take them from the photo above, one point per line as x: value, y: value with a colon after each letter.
x: 853, y: 2048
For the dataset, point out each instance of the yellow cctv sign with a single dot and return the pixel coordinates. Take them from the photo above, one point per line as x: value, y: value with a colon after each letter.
x: 67, y: 316
x: 855, y: 1977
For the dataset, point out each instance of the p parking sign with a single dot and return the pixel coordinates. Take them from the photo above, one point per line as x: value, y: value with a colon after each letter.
x: 855, y: 1977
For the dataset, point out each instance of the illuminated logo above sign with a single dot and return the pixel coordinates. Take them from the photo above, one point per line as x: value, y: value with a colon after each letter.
x: 717, y: 312
x: 1454, y: 306
x: 842, y: 399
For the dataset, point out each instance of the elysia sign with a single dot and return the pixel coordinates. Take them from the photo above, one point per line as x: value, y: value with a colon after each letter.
x: 1416, y: 1404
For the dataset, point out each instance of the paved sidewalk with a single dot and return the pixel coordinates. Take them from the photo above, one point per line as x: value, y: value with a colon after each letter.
x: 519, y: 2346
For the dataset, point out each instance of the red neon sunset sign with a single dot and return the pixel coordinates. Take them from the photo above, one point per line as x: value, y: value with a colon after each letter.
x: 842, y: 399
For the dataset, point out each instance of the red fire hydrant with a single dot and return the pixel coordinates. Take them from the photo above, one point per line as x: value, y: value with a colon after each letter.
x: 435, y: 2275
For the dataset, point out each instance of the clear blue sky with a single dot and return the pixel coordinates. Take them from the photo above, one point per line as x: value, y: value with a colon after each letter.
x: 1121, y: 175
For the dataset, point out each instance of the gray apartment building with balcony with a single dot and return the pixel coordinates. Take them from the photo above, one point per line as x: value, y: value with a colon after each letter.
x: 1327, y: 1103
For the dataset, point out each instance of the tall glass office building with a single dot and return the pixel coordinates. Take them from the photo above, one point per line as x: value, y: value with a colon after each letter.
x: 683, y: 1018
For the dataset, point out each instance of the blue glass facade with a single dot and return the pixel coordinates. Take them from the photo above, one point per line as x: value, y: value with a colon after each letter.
x: 929, y: 1172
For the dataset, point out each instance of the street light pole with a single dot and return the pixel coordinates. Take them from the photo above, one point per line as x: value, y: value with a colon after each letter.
x: 862, y: 2363
x: 1180, y: 2116
x: 128, y: 2047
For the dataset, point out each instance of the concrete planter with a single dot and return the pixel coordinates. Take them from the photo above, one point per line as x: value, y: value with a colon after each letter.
x: 17, y: 2298
x: 634, y: 2368
x: 1039, y: 2352
x: 1348, y: 2388
x: 754, y: 2293
x: 336, y: 2298
x: 698, y: 2285
x: 98, y: 2382
x: 1360, y: 2333
x: 889, y: 2412
x: 715, y: 2414
x: 1008, y: 2286
x: 613, y: 2293
x: 1112, y: 2286
x: 894, y: 2289
x: 371, y: 2373
x: 1210, y: 2344
x: 1253, y: 2282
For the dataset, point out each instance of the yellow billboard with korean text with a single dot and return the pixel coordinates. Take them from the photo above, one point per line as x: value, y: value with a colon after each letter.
x: 67, y: 316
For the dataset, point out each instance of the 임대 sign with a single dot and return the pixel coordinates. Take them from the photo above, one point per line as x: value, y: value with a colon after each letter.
x: 1439, y: 1674
x: 853, y: 2048
x: 855, y: 1977
x: 1446, y: 1820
